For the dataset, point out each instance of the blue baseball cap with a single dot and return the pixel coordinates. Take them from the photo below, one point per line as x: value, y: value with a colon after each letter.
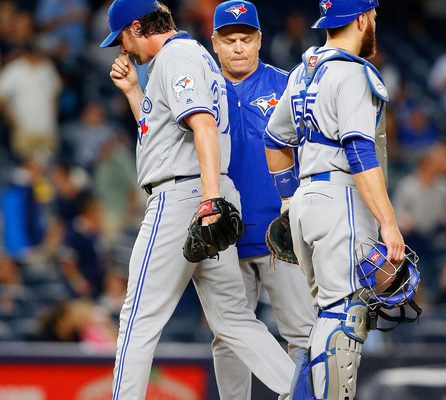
x: 236, y: 12
x: 337, y: 13
x: 122, y: 13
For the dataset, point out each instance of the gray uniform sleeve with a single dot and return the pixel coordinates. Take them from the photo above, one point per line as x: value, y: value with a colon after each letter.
x: 185, y: 86
x: 356, y: 108
x: 280, y: 128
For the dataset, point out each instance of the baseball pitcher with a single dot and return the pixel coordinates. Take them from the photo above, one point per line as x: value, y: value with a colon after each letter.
x: 182, y: 159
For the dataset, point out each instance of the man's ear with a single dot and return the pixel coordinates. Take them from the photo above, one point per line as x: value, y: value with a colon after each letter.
x: 135, y: 27
x: 362, y: 22
x: 214, y: 42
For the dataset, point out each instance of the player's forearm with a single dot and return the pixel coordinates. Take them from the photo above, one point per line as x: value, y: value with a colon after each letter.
x: 279, y: 160
x: 134, y: 97
x: 372, y: 188
x: 283, y: 172
x: 208, y: 152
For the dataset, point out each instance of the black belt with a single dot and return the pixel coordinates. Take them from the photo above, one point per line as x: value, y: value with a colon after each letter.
x: 149, y: 187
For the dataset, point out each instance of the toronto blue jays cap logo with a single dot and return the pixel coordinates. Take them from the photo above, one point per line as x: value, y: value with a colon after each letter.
x: 325, y: 5
x: 265, y: 103
x: 237, y: 10
x: 234, y: 12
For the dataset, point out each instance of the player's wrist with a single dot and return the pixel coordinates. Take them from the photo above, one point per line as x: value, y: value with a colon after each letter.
x: 285, y: 204
x: 389, y: 222
x: 211, y: 195
x: 132, y: 90
x: 286, y: 181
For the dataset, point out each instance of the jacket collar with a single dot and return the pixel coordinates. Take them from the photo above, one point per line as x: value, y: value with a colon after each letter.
x: 249, y: 81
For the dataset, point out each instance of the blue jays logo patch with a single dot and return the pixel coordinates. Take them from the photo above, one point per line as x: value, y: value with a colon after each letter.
x: 265, y: 103
x: 183, y: 83
x: 237, y: 10
x: 143, y: 127
x: 325, y: 5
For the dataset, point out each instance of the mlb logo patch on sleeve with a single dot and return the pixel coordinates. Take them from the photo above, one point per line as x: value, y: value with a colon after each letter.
x: 183, y: 83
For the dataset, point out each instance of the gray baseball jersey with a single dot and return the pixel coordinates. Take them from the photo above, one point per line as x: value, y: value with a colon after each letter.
x: 340, y: 104
x: 183, y: 79
x: 332, y: 96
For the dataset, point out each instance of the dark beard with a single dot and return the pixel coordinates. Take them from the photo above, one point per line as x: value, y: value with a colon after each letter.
x: 368, y: 46
x: 137, y: 59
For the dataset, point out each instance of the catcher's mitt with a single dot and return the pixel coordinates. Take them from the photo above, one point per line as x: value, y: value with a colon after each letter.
x: 278, y: 239
x: 206, y: 241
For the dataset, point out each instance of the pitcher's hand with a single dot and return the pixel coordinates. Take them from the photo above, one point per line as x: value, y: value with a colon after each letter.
x: 123, y: 74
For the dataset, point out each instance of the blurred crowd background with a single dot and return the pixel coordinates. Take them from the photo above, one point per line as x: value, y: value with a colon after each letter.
x: 70, y: 207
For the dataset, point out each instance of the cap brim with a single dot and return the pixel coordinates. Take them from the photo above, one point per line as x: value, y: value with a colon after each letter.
x: 111, y: 40
x: 237, y: 23
x: 334, y: 22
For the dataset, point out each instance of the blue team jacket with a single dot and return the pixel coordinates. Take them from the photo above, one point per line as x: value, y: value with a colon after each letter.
x: 251, y: 103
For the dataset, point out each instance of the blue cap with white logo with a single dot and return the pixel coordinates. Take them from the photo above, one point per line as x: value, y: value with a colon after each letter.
x: 337, y: 13
x: 122, y: 13
x: 236, y: 12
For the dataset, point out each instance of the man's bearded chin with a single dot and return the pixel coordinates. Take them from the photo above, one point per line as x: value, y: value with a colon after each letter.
x: 368, y: 46
x: 137, y: 59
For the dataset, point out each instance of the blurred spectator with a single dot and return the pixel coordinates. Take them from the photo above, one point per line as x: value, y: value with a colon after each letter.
x: 57, y: 325
x: 14, y: 298
x: 16, y: 31
x: 8, y: 12
x: 115, y: 288
x: 29, y: 87
x: 115, y: 168
x: 390, y: 74
x: 196, y: 16
x: 63, y: 25
x: 100, y: 29
x: 9, y: 271
x: 417, y: 131
x: 441, y: 295
x: 420, y: 199
x: 23, y: 206
x: 78, y: 321
x: 420, y: 207
x: 288, y: 46
x: 11, y: 289
x: 437, y: 78
x: 68, y: 182
x: 83, y: 239
x: 435, y: 12
x: 72, y: 277
x: 85, y: 137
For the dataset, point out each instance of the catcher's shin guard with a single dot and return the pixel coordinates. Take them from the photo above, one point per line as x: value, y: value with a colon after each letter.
x: 343, y: 366
x: 342, y: 353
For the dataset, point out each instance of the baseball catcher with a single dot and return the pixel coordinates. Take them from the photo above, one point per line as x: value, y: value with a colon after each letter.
x: 205, y: 241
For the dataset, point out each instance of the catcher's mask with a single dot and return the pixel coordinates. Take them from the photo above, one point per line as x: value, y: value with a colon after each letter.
x: 385, y: 284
